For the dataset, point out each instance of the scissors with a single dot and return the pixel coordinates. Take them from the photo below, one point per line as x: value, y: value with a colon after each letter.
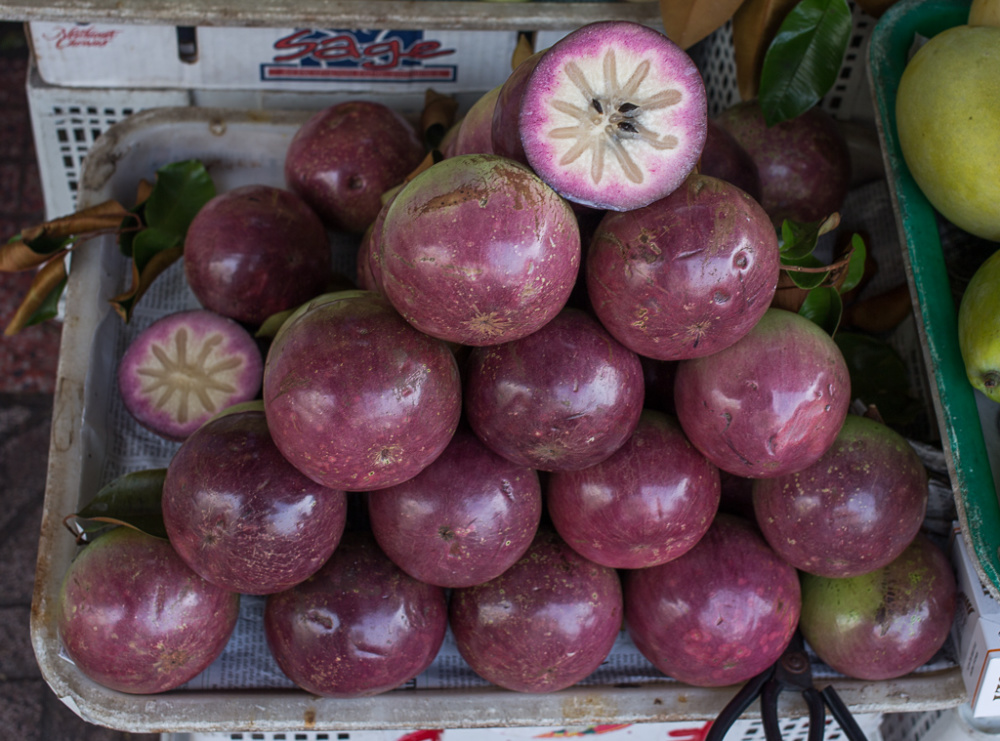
x: 791, y: 671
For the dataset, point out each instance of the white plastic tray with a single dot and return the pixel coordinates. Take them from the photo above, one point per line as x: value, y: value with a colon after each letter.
x: 86, y: 451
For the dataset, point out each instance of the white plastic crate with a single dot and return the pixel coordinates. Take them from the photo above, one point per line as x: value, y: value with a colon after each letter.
x: 94, y: 442
x: 67, y: 122
x: 792, y: 729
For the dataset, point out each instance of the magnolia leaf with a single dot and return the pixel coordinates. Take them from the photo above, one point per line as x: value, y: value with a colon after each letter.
x: 124, y: 303
x: 125, y: 235
x: 57, y: 234
x: 270, y: 326
x: 133, y: 499
x: 815, y: 275
x: 43, y: 297
x: 856, y: 267
x: 431, y: 158
x: 755, y: 24
x: 823, y: 306
x: 150, y: 242
x: 522, y: 50
x: 686, y: 22
x: 437, y: 117
x: 16, y: 256
x: 180, y: 191
x: 879, y: 376
x: 799, y: 238
x: 36, y: 244
x: 49, y: 307
x: 804, y: 59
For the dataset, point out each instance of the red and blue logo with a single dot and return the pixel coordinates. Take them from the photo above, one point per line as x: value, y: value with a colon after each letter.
x: 310, y: 55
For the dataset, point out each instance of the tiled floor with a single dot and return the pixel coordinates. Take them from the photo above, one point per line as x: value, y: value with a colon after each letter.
x: 29, y: 710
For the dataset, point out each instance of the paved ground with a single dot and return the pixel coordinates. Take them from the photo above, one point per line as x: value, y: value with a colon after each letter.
x: 29, y: 710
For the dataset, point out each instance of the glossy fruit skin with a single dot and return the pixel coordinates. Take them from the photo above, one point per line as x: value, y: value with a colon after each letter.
x: 544, y: 624
x: 133, y: 617
x: 219, y: 359
x: 563, y: 398
x: 886, y: 623
x: 461, y: 521
x: 241, y: 515
x: 355, y: 397
x: 719, y: 614
x: 358, y: 627
x: 475, y: 130
x: 770, y: 404
x: 647, y: 504
x: 725, y: 158
x: 803, y: 163
x: 344, y: 157
x: 853, y: 510
x: 979, y: 330
x: 506, y: 137
x: 947, y: 116
x: 255, y: 251
x: 687, y: 275
x: 477, y: 250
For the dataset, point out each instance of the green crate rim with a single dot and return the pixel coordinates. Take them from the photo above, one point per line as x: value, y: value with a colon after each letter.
x: 955, y: 401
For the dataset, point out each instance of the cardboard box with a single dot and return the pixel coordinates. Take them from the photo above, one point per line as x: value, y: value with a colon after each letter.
x: 976, y: 633
x: 303, y: 59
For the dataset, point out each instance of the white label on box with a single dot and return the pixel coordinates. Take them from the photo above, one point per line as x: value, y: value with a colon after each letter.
x: 976, y: 633
x: 302, y: 59
x: 362, y: 59
x: 102, y: 55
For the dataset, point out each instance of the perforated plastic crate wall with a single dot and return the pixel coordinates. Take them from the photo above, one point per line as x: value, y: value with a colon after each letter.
x: 66, y: 121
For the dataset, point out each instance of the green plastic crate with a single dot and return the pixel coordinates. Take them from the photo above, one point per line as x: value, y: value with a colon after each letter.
x: 955, y: 401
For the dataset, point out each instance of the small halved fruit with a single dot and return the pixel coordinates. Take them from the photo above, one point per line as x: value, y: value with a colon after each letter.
x: 614, y: 116
x: 187, y: 367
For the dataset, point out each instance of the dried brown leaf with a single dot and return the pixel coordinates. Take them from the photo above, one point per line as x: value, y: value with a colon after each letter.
x: 439, y: 110
x: 50, y: 276
x: 755, y: 25
x: 522, y: 51
x: 159, y: 262
x: 17, y: 256
x: 428, y: 160
x: 107, y: 215
x: 686, y: 22
x: 142, y: 191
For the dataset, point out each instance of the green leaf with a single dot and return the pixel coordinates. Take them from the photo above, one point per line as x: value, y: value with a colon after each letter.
x: 133, y: 499
x: 804, y: 59
x: 806, y: 280
x: 823, y: 306
x: 856, y: 266
x: 180, y: 191
x: 879, y: 376
x: 126, y: 235
x: 148, y: 243
x: 799, y: 238
x: 49, y: 307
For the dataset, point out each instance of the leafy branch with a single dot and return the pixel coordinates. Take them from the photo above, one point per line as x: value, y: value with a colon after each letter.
x: 133, y: 499
x: 808, y: 285
x: 151, y: 233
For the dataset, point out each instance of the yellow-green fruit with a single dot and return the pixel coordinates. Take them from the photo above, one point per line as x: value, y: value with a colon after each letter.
x: 979, y: 328
x: 948, y: 121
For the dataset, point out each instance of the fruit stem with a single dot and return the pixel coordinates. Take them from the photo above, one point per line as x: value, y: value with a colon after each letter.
x: 991, y: 380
